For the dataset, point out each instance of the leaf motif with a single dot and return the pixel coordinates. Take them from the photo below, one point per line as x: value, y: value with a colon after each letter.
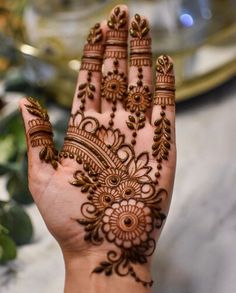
x: 142, y: 160
x: 92, y: 87
x: 81, y: 94
x: 132, y: 168
x: 82, y: 86
x: 130, y: 125
x: 83, y: 222
x: 131, y: 118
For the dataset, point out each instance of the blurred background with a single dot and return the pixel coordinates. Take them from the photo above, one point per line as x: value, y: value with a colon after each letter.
x: 40, y: 49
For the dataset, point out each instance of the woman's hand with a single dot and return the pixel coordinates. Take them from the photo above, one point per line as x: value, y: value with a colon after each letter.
x: 106, y: 195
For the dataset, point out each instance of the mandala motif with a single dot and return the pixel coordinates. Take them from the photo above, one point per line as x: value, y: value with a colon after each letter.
x: 127, y: 223
x: 114, y: 86
x: 104, y: 197
x: 129, y: 189
x: 139, y: 99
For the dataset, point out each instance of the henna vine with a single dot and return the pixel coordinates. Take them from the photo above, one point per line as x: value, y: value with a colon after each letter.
x: 123, y: 205
x: 86, y: 90
x: 164, y: 96
x: 40, y: 132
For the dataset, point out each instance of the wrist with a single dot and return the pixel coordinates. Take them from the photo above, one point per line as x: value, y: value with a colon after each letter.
x: 80, y: 278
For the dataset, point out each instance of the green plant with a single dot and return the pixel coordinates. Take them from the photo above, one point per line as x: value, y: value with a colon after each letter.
x: 15, y: 225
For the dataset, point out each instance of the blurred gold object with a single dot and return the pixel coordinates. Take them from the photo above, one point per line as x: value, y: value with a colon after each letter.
x: 199, y: 35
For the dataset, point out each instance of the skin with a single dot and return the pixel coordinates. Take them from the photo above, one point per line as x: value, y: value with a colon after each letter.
x: 59, y: 202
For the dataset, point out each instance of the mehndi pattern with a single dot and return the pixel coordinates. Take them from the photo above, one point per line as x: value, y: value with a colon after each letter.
x: 40, y: 132
x: 123, y: 204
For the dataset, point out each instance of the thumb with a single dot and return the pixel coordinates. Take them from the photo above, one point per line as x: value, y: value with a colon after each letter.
x: 39, y: 134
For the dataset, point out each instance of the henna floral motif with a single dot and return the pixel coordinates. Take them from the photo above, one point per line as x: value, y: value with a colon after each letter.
x: 127, y: 223
x: 123, y: 205
x: 113, y: 88
x: 138, y: 101
x: 114, y: 85
x: 40, y: 132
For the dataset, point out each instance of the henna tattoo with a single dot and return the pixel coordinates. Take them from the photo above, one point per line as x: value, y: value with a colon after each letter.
x: 140, y: 44
x: 93, y: 50
x: 116, y: 37
x: 165, y: 89
x: 86, y: 90
x: 114, y: 87
x: 123, y: 205
x: 164, y: 96
x: 40, y: 132
x: 138, y: 100
x: 161, y: 145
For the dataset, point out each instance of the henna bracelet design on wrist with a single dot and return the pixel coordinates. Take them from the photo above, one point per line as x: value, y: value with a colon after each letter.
x: 123, y: 204
x: 40, y: 132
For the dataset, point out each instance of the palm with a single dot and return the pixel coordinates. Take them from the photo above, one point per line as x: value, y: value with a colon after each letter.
x: 110, y: 186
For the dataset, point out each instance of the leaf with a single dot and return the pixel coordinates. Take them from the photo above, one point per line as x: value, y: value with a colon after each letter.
x: 108, y: 271
x: 130, y: 125
x: 83, y: 222
x: 92, y: 87
x: 105, y: 263
x: 17, y: 186
x: 80, y: 94
x: 141, y: 125
x: 85, y: 188
x: 131, y: 118
x: 98, y: 270
x: 82, y: 86
x: 18, y: 223
x: 90, y: 96
x: 142, y: 160
x: 7, y: 248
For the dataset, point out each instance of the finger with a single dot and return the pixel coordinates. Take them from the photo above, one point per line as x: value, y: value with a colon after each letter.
x: 139, y: 97
x: 114, y: 83
x: 41, y: 150
x: 87, y: 92
x: 163, y: 115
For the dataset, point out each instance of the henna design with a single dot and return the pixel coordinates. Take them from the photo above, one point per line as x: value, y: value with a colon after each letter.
x: 164, y: 96
x: 91, y: 62
x: 165, y: 89
x: 93, y: 50
x: 116, y: 37
x: 140, y: 44
x: 138, y: 100
x: 113, y: 88
x: 86, y: 90
x: 161, y: 145
x: 40, y: 132
x: 123, y: 205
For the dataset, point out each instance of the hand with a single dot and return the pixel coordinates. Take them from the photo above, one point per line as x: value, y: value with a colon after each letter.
x: 106, y: 195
